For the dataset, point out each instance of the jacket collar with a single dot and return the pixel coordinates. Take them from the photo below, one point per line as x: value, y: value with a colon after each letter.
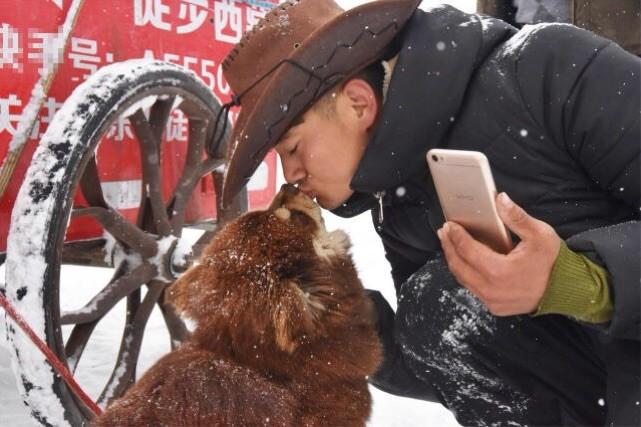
x: 440, y: 51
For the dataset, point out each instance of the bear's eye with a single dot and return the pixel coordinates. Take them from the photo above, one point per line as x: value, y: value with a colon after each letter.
x: 299, y: 217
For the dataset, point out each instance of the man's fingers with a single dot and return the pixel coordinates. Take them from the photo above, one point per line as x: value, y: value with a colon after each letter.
x: 465, y: 274
x: 515, y: 218
x: 475, y: 253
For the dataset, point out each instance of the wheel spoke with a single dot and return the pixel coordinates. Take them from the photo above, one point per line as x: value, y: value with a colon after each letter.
x: 197, y: 137
x: 81, y: 333
x: 190, y: 173
x: 185, y: 188
x: 77, y: 342
x: 90, y: 185
x: 86, y: 252
x: 133, y: 304
x: 151, y: 176
x: 159, y: 115
x: 124, y: 371
x: 123, y: 230
x: 194, y: 169
x: 209, y: 165
x: 109, y: 296
x: 196, y: 250
x: 200, y: 245
x: 237, y: 206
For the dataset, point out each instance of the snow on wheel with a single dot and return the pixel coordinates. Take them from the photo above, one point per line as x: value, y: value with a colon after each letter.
x: 146, y: 252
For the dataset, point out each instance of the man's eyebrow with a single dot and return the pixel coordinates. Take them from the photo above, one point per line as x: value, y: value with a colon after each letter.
x: 298, y: 121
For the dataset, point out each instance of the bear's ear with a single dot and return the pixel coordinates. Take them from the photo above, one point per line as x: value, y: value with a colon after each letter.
x: 283, y: 213
x: 298, y: 315
x: 178, y: 294
x: 192, y: 294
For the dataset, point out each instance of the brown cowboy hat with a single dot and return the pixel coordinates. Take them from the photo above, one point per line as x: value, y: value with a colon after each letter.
x: 289, y: 59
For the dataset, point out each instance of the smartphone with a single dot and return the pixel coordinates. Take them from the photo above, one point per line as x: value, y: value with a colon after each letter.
x: 467, y: 193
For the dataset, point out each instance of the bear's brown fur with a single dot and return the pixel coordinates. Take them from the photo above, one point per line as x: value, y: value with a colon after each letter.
x: 283, y: 336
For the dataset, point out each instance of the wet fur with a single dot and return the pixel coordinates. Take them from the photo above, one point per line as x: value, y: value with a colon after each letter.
x: 283, y: 332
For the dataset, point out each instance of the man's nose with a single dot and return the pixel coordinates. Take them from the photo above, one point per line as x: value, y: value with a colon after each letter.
x: 293, y: 171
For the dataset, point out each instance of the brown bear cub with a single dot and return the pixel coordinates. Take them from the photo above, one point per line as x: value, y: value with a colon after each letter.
x: 283, y: 336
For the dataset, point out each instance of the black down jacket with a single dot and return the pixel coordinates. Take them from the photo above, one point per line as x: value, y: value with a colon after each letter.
x: 553, y: 107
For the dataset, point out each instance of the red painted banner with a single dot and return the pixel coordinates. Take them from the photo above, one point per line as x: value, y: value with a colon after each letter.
x: 196, y: 34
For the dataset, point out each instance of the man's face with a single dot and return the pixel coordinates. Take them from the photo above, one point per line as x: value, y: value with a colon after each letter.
x: 322, y: 151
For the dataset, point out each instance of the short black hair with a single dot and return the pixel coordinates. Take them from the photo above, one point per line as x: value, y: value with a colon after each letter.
x: 373, y: 74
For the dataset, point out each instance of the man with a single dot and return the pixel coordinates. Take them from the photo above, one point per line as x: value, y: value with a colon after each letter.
x: 545, y: 335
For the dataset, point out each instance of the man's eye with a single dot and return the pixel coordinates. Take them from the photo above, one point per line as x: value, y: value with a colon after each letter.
x: 293, y: 150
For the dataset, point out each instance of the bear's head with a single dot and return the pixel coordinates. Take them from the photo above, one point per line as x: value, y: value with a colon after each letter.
x: 273, y: 279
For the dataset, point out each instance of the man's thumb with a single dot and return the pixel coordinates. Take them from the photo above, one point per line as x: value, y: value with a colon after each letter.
x: 514, y: 217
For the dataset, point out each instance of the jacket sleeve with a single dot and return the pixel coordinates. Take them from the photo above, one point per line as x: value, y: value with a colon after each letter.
x: 402, y: 267
x: 618, y: 249
x: 584, y: 90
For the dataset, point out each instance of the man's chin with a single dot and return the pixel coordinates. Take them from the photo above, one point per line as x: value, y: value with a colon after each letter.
x: 329, y: 204
x: 324, y: 203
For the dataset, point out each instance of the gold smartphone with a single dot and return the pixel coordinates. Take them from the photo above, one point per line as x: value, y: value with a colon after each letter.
x: 467, y: 193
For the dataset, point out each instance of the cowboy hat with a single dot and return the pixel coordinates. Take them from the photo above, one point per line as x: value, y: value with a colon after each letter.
x: 300, y: 50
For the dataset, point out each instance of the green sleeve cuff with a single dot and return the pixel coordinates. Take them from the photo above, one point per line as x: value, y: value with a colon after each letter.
x: 577, y: 288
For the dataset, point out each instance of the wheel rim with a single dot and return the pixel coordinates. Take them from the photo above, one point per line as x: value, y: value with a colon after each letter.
x: 63, y: 164
x: 142, y: 253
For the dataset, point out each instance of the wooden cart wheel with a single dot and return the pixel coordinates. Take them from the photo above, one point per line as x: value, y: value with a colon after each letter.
x: 145, y: 254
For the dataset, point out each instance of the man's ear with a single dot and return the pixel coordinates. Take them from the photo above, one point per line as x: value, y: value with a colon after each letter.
x: 362, y: 101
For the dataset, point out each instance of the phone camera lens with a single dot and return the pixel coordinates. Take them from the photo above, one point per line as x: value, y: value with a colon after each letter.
x: 435, y: 157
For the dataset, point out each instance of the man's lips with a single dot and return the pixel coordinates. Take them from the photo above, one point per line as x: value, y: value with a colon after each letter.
x: 308, y: 192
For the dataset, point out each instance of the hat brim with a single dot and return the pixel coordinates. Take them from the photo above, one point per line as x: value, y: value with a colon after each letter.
x: 346, y: 44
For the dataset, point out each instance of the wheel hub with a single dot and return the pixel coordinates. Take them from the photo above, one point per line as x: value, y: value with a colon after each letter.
x: 170, y: 260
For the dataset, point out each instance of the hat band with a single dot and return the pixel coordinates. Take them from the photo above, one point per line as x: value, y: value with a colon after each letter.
x: 236, y: 99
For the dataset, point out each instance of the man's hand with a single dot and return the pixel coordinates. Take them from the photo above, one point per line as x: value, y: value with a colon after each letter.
x: 507, y: 284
